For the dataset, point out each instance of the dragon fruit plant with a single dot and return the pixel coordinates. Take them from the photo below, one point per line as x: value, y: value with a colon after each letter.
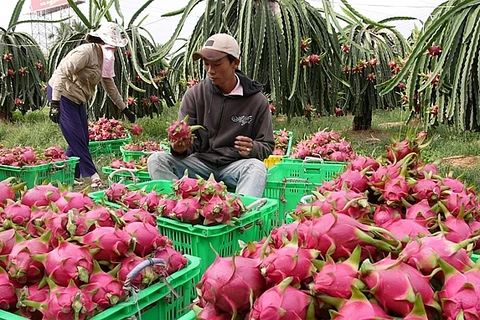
x: 326, y: 145
x: 68, y: 259
x: 180, y: 133
x: 106, y: 129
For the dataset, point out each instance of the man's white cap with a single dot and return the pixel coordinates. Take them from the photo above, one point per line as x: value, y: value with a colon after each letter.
x: 110, y: 33
x: 218, y: 46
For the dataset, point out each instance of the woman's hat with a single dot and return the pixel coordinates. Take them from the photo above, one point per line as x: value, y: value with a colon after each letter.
x: 110, y: 33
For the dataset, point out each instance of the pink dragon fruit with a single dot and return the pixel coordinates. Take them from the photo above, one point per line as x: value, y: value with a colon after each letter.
x: 15, y: 214
x: 210, y: 188
x: 209, y: 312
x: 405, y: 230
x: 283, y: 302
x: 174, y: 260
x: 235, y: 205
x: 386, y: 274
x: 187, y: 187
x: 358, y: 307
x: 67, y: 303
x: 256, y: 250
x: 418, y: 311
x: 57, y: 224
x: 385, y: 214
x: 74, y: 200
x: 353, y: 180
x: 8, y: 297
x: 421, y: 212
x: 180, y: 133
x: 344, y: 201
x: 395, y: 190
x: 132, y: 199
x: 426, y: 188
x: 150, y: 201
x: 100, y: 216
x: 458, y: 203
x: 454, y: 185
x: 385, y: 173
x: 215, y: 211
x: 289, y: 261
x: 111, y: 243
x: 115, y: 192
x: 336, y: 279
x: 231, y: 284
x: 30, y: 299
x: 145, y: 278
x: 399, y: 150
x: 165, y: 206
x: 67, y: 262
x: 146, y: 237
x: 40, y: 195
x: 187, y: 210
x: 457, y: 229
x: 424, y: 253
x: 139, y: 215
x: 20, y: 264
x: 8, y: 189
x: 108, y: 289
x: 460, y: 295
x: 8, y: 238
x: 361, y: 163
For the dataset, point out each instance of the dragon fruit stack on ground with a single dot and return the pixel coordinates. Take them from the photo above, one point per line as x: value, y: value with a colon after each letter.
x: 65, y: 260
x: 106, y: 129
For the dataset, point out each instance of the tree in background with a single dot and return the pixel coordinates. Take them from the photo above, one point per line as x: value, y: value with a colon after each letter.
x: 372, y: 52
x: 443, y: 70
x: 285, y: 44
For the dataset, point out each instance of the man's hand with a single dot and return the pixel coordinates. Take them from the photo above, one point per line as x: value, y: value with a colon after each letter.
x: 244, y: 145
x: 129, y: 114
x: 54, y: 113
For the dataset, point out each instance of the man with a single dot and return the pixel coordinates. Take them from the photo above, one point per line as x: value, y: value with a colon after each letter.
x: 238, y: 132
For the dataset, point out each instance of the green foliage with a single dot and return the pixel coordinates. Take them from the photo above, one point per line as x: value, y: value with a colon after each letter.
x: 147, y: 86
x: 270, y: 34
x: 444, y: 88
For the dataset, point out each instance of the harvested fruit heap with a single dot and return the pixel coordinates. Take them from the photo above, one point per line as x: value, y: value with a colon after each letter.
x: 140, y: 164
x: 195, y: 201
x: 326, y: 145
x: 387, y: 239
x: 281, y: 142
x: 106, y: 129
x: 67, y: 258
x: 28, y: 156
x: 143, y: 146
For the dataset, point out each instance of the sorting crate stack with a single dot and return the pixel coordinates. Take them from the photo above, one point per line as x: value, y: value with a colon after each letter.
x: 154, y: 302
x: 289, y: 182
x: 272, y: 160
x: 59, y: 171
x: 108, y: 146
x: 208, y: 241
x: 128, y: 155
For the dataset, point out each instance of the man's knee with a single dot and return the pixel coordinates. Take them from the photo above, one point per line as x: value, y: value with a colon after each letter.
x: 155, y: 158
x: 257, y: 166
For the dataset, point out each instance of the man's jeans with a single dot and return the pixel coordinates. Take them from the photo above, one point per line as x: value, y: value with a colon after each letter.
x: 247, y: 176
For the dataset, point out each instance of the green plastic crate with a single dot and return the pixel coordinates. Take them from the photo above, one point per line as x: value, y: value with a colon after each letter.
x: 289, y: 182
x: 108, y: 146
x: 128, y: 155
x: 125, y: 177
x: 202, y: 241
x: 312, y: 160
x: 189, y: 316
x: 54, y: 172
x: 475, y: 257
x: 155, y: 302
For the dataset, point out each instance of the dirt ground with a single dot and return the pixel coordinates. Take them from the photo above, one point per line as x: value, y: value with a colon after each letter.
x: 466, y: 162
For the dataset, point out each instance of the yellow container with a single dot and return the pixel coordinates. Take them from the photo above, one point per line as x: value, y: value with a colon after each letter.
x: 271, y: 160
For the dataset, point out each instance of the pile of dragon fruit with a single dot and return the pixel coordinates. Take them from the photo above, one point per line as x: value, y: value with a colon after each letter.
x: 139, y: 164
x: 190, y: 200
x: 145, y: 146
x: 28, y: 156
x: 326, y: 145
x: 387, y: 239
x: 106, y: 129
x: 65, y: 257
x: 282, y: 138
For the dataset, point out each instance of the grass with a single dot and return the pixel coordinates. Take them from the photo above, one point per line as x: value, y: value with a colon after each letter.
x: 35, y: 129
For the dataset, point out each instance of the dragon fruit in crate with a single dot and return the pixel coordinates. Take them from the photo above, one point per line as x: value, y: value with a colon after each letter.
x: 179, y: 133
